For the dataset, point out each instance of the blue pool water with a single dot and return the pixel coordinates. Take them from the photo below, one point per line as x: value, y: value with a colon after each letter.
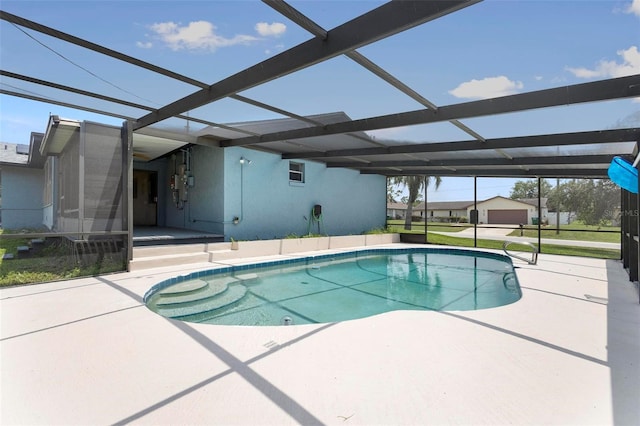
x: 339, y: 287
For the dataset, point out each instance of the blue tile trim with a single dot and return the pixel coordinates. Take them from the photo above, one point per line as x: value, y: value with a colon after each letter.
x: 305, y: 260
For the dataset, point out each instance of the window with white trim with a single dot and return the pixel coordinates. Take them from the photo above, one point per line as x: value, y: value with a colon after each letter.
x: 296, y: 172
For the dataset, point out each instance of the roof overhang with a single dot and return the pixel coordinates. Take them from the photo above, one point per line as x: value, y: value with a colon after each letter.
x: 60, y: 131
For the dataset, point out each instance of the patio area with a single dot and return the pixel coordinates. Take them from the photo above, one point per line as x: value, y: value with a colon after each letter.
x: 88, y: 351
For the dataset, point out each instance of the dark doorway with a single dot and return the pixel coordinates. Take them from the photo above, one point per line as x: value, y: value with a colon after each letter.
x: 145, y: 198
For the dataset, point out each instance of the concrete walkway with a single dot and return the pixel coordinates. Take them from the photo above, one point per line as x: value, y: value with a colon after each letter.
x: 88, y: 351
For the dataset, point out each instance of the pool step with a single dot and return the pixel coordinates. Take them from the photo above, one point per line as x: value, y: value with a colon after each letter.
x: 185, y: 287
x: 191, y: 310
x: 209, y: 291
x: 147, y: 257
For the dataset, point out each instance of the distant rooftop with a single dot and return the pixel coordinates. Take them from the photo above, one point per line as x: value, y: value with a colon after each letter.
x: 14, y: 153
x: 18, y: 154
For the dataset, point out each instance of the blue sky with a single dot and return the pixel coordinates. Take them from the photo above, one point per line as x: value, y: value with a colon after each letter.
x: 489, y: 49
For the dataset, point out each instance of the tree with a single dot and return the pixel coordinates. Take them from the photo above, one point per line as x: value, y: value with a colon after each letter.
x: 565, y: 198
x: 414, y: 184
x: 529, y: 189
x: 393, y: 193
x: 593, y: 201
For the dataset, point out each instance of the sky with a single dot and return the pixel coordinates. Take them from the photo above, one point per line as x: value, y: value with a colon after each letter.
x: 490, y: 49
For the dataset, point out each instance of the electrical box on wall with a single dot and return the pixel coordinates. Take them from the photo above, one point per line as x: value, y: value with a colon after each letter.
x: 181, y: 179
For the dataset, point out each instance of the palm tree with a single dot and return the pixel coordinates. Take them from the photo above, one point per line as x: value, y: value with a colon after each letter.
x: 415, y: 184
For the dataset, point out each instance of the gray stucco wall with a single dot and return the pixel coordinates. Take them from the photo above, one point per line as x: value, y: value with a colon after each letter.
x: 21, y: 197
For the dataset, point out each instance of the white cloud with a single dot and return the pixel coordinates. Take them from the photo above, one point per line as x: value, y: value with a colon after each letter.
x: 630, y: 65
x: 489, y: 87
x: 196, y: 35
x: 277, y: 48
x: 144, y: 45
x: 633, y: 8
x: 537, y: 77
x: 274, y: 29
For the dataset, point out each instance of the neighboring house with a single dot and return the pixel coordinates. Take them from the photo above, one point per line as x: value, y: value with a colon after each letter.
x: 495, y: 210
x: 79, y: 185
x: 501, y: 210
x: 396, y: 210
x: 22, y: 177
x: 445, y: 210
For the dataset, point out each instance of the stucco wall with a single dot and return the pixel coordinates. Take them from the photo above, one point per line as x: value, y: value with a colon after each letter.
x: 204, y: 211
x: 268, y: 205
x: 21, y: 197
x: 263, y: 200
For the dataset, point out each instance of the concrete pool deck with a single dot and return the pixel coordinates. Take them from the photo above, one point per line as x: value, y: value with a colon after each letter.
x: 88, y: 351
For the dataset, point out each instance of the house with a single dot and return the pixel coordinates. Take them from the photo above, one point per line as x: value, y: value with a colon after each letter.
x: 502, y: 210
x: 396, y: 210
x: 446, y: 211
x: 81, y: 184
x: 22, y: 177
x: 495, y: 210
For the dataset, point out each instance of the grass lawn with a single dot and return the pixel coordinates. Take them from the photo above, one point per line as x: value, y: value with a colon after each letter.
x: 575, y: 232
x: 599, y: 253
x: 50, y: 263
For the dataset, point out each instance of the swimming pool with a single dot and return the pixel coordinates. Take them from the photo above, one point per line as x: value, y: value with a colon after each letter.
x: 339, y: 287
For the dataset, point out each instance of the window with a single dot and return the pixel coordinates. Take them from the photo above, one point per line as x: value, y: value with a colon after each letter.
x: 296, y: 172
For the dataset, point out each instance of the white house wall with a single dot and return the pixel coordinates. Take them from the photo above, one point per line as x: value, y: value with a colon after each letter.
x: 565, y: 218
x: 447, y: 213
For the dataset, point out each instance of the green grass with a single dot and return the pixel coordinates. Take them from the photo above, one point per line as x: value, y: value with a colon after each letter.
x: 600, y: 253
x: 575, y: 231
x: 581, y: 233
x: 51, y: 263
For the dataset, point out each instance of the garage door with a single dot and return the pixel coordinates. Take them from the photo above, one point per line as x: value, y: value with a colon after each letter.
x: 513, y: 217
